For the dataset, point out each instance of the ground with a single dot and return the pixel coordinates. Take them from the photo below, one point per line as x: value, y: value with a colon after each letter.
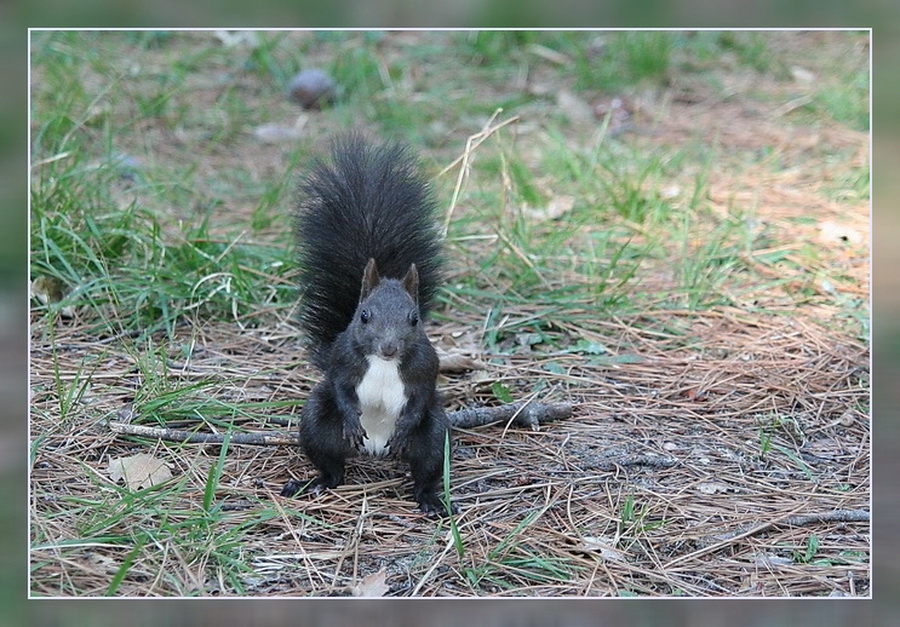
x: 668, y: 230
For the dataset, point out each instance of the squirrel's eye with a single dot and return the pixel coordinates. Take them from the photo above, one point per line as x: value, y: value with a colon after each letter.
x: 414, y: 318
x: 364, y: 316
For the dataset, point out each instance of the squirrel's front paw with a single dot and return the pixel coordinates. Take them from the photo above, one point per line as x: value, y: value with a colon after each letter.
x: 354, y: 433
x: 398, y: 443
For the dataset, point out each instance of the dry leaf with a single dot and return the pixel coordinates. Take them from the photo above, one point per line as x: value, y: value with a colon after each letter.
x: 278, y: 133
x: 766, y: 559
x: 457, y: 362
x: 831, y: 232
x: 802, y: 75
x: 48, y: 290
x: 602, y: 546
x: 372, y: 585
x: 483, y: 376
x: 576, y: 110
x: 139, y: 471
x: 231, y: 39
x: 549, y: 54
x: 102, y: 563
x: 618, y: 110
x: 556, y: 208
x: 694, y: 394
x: 711, y: 487
x: 848, y: 418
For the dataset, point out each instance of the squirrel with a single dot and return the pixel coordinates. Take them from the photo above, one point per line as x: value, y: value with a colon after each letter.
x: 370, y: 265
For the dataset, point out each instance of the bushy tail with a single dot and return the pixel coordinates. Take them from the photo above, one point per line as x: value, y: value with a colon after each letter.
x: 369, y: 202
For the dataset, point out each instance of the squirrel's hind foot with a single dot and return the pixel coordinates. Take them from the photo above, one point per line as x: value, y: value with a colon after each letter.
x: 311, y: 486
x: 432, y: 505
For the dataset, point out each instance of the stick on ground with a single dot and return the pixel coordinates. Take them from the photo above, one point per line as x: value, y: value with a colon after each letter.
x: 522, y: 414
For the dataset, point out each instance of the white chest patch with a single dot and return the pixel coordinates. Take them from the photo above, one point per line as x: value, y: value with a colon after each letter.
x: 381, y: 399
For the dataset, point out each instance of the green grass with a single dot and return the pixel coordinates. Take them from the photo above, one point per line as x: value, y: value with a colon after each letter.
x: 187, y: 519
x: 751, y: 49
x: 512, y: 563
x: 101, y: 247
x: 845, y: 100
x: 102, y: 223
x: 131, y: 271
x: 635, y: 520
x: 131, y: 524
x: 627, y: 219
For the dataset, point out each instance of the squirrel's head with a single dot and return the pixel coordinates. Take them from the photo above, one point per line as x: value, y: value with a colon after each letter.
x: 387, y: 319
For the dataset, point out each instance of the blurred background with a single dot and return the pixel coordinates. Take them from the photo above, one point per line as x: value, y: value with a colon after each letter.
x: 16, y: 18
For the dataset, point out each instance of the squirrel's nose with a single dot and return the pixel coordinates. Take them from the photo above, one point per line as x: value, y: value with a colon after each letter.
x: 388, y: 351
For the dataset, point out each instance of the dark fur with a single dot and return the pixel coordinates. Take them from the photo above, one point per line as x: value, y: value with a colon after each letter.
x: 369, y: 204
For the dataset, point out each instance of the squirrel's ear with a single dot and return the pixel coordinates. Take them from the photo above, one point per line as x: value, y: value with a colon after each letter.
x: 370, y: 279
x: 411, y: 282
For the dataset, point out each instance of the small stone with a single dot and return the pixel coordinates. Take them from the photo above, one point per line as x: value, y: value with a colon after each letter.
x: 312, y: 88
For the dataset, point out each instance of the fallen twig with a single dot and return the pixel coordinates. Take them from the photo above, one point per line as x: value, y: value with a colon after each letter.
x: 838, y: 515
x: 658, y: 461
x: 796, y: 520
x: 522, y: 414
x: 178, y: 435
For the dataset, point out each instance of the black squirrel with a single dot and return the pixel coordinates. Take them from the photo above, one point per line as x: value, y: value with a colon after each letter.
x: 369, y: 255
